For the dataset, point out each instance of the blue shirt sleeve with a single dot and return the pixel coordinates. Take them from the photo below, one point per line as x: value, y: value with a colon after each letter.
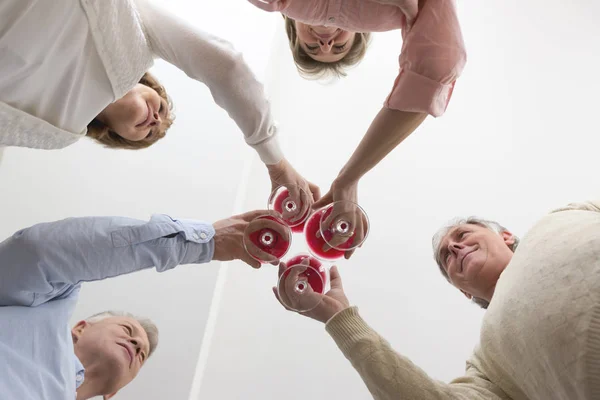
x: 48, y: 260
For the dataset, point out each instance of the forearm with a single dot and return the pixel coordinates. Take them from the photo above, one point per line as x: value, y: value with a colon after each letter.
x: 390, y: 376
x: 388, y: 130
x: 41, y: 261
x: 216, y: 63
x: 433, y: 57
x: 244, y: 98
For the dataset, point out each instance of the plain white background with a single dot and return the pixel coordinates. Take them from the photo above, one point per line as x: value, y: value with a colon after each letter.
x: 519, y: 138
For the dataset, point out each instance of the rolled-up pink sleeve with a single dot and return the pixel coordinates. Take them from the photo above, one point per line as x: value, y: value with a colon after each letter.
x: 433, y: 57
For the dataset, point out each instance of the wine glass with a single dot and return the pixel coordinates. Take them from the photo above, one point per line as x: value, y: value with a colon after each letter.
x: 336, y: 229
x: 293, y: 203
x: 267, y: 238
x: 302, y: 284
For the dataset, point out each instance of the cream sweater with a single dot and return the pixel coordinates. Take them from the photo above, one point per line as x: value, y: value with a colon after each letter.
x: 540, y: 338
x: 63, y: 61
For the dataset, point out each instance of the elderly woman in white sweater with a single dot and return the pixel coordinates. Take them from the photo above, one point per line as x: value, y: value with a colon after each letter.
x: 540, y: 338
x: 71, y: 68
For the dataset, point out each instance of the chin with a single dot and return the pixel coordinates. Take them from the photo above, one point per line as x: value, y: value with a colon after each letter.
x: 117, y: 365
x: 474, y: 266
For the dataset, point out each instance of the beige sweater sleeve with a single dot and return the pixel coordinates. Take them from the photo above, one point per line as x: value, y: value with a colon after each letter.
x: 390, y: 376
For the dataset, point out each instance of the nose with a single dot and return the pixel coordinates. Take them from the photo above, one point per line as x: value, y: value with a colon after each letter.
x: 136, y: 346
x: 326, y: 45
x: 455, y: 247
x: 155, y: 119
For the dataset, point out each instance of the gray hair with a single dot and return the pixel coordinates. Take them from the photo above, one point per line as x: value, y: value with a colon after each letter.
x: 436, y: 241
x: 149, y: 326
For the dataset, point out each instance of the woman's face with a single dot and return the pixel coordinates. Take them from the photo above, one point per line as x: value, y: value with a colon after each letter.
x: 323, y: 43
x: 137, y: 115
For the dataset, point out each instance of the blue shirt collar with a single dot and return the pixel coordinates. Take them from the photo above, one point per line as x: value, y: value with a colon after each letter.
x: 79, y: 372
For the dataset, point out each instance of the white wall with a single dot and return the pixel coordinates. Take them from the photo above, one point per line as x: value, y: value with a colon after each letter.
x: 518, y: 139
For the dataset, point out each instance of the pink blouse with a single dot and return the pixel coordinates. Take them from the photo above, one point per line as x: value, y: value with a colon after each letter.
x: 433, y: 53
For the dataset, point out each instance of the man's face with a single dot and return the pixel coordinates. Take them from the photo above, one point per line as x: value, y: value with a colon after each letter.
x: 474, y: 256
x: 113, y: 350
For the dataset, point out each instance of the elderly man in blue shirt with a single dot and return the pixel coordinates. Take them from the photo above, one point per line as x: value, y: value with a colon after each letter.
x: 41, y: 271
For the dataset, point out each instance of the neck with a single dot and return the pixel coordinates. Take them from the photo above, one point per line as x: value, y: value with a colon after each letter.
x: 488, y: 298
x: 102, y: 117
x: 86, y: 391
x: 488, y: 294
x: 93, y: 383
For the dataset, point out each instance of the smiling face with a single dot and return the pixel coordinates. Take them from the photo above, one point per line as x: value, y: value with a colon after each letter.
x: 473, y: 258
x: 138, y: 115
x: 324, y: 44
x: 112, y: 350
x: 324, y: 51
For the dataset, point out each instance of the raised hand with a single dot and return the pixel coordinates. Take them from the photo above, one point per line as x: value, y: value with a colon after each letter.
x: 229, y: 236
x: 301, y: 191
x: 346, y: 219
x: 329, y: 304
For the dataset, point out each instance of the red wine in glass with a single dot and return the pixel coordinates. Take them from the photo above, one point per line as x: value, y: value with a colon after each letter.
x: 317, y: 242
x: 349, y: 223
x: 281, y: 202
x: 265, y: 238
x: 300, y: 285
x: 316, y: 275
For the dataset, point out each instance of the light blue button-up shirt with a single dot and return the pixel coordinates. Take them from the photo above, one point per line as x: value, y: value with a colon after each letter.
x: 41, y: 270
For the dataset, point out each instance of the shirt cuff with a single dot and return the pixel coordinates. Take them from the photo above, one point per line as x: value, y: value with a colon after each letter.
x: 269, y: 150
x: 347, y: 328
x: 197, y: 232
x: 417, y: 93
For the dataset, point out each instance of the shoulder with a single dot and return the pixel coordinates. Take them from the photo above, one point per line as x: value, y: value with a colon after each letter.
x: 593, y: 205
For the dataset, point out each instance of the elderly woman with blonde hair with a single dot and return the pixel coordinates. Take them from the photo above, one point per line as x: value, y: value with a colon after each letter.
x: 328, y: 36
x: 540, y: 336
x: 75, y: 68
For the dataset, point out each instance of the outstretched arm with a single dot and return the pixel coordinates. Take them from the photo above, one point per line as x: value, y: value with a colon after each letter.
x: 387, y: 374
x: 48, y: 260
x: 214, y: 62
x: 45, y: 261
x: 432, y: 58
x: 390, y: 376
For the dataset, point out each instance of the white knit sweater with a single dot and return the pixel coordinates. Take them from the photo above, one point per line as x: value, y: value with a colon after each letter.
x: 53, y: 81
x: 540, y: 337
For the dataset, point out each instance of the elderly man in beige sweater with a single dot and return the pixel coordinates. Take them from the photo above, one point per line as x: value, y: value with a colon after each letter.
x: 540, y: 337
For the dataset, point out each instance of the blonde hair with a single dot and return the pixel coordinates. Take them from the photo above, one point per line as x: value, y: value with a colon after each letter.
x: 313, y: 69
x: 100, y: 132
x: 149, y: 326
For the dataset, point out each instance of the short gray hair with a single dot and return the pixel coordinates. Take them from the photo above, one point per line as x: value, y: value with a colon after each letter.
x: 436, y: 241
x: 149, y: 326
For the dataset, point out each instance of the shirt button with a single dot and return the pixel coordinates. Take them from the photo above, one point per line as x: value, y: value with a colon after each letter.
x: 196, y: 236
x: 203, y: 236
x: 79, y: 377
x: 331, y: 19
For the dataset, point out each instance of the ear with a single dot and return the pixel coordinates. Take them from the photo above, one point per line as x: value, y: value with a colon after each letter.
x: 78, y: 329
x: 509, y: 238
x: 467, y: 295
